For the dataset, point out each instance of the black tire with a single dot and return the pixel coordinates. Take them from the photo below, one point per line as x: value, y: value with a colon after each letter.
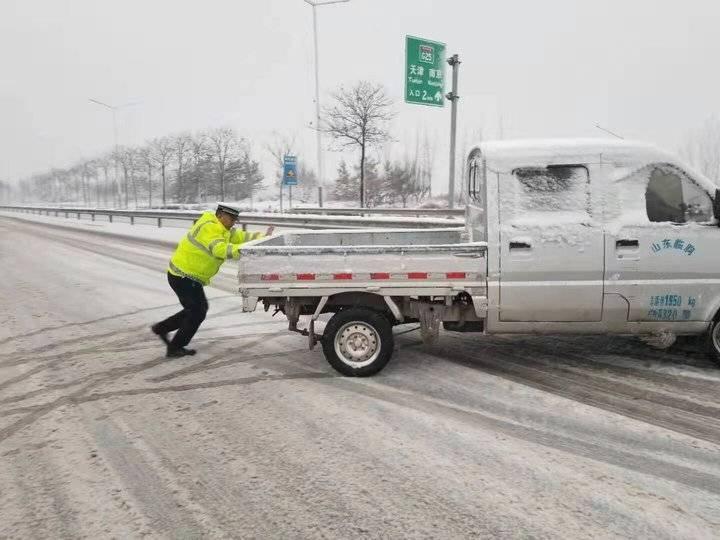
x: 712, y: 341
x: 370, y: 332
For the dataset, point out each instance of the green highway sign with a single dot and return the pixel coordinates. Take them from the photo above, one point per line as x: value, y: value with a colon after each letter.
x: 424, y: 72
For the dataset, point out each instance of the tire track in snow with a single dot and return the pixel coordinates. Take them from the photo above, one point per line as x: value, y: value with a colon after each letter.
x: 681, y: 415
x: 260, y: 338
x: 438, y: 408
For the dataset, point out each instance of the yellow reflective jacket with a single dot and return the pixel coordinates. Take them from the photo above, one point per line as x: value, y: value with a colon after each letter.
x: 201, y: 252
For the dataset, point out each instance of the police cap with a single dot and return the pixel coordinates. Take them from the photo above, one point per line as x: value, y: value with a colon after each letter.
x: 228, y: 210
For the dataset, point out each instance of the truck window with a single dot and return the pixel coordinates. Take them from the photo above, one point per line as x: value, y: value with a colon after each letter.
x: 563, y: 188
x: 672, y: 196
x: 663, y: 197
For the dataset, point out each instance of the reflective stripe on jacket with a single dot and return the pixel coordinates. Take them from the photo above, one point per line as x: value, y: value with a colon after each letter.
x: 201, y: 252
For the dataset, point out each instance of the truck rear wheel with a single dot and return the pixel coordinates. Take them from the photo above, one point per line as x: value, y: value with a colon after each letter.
x: 712, y: 341
x: 358, y: 342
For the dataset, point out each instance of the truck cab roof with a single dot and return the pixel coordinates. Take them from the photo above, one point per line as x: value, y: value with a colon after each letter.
x: 507, y: 155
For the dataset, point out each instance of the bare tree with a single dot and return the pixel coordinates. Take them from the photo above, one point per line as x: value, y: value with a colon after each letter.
x: 146, y: 156
x: 61, y: 180
x: 76, y: 179
x: 224, y: 146
x: 308, y: 182
x: 428, y: 151
x: 128, y: 160
x: 122, y: 187
x: 90, y: 172
x: 182, y: 145
x: 162, y: 152
x: 104, y: 163
x: 200, y: 155
x: 702, y: 149
x: 401, y: 180
x: 359, y: 119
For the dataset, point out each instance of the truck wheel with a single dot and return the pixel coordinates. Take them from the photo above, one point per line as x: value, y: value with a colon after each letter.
x: 712, y: 341
x: 358, y: 342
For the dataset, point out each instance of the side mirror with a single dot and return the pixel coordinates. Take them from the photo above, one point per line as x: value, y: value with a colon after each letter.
x: 716, y: 206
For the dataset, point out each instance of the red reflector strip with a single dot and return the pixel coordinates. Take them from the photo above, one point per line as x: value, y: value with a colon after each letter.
x: 380, y: 275
x: 305, y: 277
x: 455, y: 275
x: 417, y: 275
x: 270, y: 277
x: 342, y: 276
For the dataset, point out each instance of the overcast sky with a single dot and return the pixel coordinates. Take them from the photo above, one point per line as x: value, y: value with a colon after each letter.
x: 647, y: 69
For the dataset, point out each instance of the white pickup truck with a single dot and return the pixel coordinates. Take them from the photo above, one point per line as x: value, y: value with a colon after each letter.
x: 576, y: 236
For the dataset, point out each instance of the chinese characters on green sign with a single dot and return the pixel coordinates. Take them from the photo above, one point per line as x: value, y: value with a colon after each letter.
x: 424, y: 72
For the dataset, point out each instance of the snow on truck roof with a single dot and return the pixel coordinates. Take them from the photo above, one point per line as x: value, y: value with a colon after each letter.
x: 568, y: 148
x: 526, y: 152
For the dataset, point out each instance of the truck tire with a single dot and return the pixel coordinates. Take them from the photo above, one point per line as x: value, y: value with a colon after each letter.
x: 712, y: 341
x: 358, y: 342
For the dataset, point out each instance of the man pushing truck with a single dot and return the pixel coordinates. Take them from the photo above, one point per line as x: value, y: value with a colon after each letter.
x: 210, y: 241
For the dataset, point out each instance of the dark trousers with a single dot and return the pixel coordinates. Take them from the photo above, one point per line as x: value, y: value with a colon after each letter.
x: 195, y: 306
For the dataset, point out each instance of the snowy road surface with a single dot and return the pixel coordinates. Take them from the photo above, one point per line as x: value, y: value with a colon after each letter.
x: 256, y: 437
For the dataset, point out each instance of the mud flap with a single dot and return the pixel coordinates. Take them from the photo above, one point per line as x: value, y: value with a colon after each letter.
x: 430, y: 318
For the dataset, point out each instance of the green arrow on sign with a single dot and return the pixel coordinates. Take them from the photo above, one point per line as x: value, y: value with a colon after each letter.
x: 424, y: 71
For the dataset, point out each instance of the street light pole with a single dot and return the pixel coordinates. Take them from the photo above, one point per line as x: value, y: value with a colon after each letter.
x: 317, y: 111
x: 454, y: 61
x: 314, y: 4
x: 114, y: 109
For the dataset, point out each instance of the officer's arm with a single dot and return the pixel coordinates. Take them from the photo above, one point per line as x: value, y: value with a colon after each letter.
x: 240, y: 236
x: 214, y: 242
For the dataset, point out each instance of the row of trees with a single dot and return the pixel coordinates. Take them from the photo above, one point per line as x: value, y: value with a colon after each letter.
x: 216, y: 164
x: 385, y: 184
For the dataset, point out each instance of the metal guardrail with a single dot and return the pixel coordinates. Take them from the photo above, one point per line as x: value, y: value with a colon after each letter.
x: 416, y: 212
x: 302, y: 221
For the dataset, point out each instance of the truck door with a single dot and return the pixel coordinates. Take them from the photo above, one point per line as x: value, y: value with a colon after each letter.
x: 662, y: 255
x: 551, y: 249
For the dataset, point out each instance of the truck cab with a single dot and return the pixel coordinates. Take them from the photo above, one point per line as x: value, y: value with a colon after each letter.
x: 594, y: 236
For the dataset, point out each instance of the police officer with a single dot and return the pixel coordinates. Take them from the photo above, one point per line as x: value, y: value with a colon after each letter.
x: 210, y: 241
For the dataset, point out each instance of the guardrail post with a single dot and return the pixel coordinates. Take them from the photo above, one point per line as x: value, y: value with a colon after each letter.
x: 92, y: 216
x: 110, y: 216
x: 244, y: 227
x: 78, y: 215
x: 56, y: 213
x: 159, y: 222
x: 132, y: 220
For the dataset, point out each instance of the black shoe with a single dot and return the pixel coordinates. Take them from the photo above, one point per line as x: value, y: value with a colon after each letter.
x: 177, y: 353
x: 159, y: 334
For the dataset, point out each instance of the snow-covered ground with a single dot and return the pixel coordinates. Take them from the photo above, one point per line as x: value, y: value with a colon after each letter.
x: 257, y: 437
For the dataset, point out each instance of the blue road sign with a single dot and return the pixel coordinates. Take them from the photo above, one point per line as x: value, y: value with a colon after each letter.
x: 290, y: 171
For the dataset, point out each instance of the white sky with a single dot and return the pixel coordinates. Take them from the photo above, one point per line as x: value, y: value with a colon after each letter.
x: 646, y: 69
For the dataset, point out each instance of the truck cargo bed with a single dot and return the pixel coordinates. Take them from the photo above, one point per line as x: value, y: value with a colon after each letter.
x: 397, y: 262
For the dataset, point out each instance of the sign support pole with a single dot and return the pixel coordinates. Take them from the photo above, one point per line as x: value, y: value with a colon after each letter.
x: 454, y: 61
